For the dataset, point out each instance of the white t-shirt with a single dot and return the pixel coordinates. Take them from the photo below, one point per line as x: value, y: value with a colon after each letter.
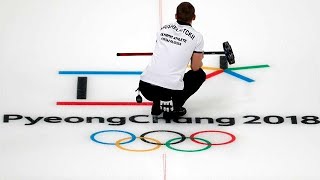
x: 175, y: 45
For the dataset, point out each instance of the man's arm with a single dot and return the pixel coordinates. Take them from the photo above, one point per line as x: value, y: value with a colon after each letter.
x: 196, y: 61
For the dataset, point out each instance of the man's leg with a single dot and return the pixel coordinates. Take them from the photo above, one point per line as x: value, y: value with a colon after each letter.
x: 150, y: 92
x: 155, y: 94
x: 192, y: 82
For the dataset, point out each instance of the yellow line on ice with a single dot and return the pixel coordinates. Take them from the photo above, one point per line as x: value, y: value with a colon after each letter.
x: 208, y: 68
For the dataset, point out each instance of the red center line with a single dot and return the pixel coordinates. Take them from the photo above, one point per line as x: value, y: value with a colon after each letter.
x: 164, y: 166
x: 160, y: 13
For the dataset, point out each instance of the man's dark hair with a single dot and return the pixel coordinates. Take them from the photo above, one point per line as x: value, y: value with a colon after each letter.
x: 185, y: 12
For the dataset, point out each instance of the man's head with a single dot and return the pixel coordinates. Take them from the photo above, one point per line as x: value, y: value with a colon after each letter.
x: 185, y: 12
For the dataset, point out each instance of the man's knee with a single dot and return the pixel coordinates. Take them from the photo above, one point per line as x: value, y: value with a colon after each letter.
x: 199, y: 75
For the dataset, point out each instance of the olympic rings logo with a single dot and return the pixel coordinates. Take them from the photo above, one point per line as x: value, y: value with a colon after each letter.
x: 157, y: 144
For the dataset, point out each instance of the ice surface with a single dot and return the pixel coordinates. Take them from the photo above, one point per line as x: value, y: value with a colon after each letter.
x: 40, y: 140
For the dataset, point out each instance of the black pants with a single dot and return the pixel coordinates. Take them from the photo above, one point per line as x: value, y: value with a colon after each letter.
x: 192, y: 82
